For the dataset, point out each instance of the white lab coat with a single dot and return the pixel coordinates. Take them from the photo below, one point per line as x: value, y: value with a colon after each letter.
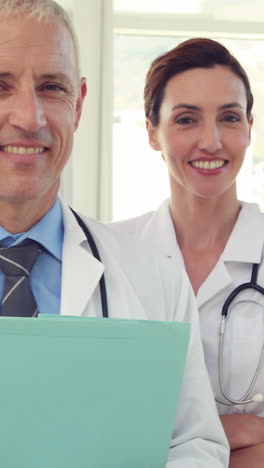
x: 245, y: 328
x: 143, y: 285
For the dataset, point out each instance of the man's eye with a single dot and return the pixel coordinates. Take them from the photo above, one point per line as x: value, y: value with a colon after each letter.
x: 52, y: 87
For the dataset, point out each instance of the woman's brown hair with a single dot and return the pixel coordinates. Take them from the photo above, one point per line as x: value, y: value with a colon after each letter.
x: 193, y: 53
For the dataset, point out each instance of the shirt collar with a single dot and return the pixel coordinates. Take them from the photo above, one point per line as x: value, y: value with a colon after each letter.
x: 48, y: 232
x: 245, y: 243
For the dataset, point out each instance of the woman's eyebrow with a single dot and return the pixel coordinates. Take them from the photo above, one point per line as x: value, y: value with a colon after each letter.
x: 229, y: 105
x: 186, y: 106
x: 6, y: 75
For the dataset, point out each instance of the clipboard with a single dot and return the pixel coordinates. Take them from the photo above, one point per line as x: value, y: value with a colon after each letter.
x: 88, y: 392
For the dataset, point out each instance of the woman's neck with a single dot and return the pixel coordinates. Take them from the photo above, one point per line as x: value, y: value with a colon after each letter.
x: 202, y: 223
x: 202, y: 227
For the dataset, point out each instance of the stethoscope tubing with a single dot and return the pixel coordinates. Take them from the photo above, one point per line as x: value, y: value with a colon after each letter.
x: 244, y: 399
x: 225, y: 311
x: 251, y: 285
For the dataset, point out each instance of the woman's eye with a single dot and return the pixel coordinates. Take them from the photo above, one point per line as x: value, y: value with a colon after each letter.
x: 231, y: 118
x: 3, y: 87
x: 184, y: 120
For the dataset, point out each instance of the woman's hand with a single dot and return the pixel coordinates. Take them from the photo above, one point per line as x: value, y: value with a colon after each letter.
x: 252, y: 457
x: 244, y: 430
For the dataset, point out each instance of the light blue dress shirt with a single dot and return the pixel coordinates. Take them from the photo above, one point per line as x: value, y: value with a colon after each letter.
x: 45, y: 277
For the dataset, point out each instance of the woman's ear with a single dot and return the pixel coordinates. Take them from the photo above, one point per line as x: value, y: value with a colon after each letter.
x: 251, y: 120
x: 152, y: 135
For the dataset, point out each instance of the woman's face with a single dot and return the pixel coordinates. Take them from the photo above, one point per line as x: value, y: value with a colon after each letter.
x: 203, y: 131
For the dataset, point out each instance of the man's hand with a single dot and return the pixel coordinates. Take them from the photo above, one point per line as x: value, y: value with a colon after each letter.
x: 244, y: 430
x: 249, y: 457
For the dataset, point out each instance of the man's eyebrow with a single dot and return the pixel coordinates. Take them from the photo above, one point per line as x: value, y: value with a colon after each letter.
x: 46, y: 76
x: 56, y: 76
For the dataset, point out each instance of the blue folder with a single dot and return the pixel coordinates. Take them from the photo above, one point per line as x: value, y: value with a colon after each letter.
x: 88, y: 393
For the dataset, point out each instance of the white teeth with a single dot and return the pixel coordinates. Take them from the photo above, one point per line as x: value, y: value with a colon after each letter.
x: 207, y: 164
x: 22, y: 149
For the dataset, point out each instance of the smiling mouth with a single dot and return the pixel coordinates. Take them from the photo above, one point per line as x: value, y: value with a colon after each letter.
x: 23, y: 150
x: 208, y: 164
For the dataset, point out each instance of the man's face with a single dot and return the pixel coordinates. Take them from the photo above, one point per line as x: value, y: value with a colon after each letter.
x: 40, y: 107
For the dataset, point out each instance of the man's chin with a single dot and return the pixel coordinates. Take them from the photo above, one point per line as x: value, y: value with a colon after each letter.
x: 18, y: 197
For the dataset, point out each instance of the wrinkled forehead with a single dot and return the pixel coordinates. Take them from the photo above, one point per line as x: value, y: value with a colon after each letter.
x: 30, y: 41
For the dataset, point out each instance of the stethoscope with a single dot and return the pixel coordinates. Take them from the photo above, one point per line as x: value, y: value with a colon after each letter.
x: 258, y: 397
x: 95, y: 253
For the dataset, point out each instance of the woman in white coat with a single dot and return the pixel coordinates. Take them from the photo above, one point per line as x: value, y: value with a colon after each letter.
x: 198, y: 105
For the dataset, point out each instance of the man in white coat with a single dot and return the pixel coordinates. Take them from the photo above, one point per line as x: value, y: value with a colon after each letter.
x: 41, y: 96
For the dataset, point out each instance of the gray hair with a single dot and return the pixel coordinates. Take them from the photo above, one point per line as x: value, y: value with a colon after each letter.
x: 42, y: 10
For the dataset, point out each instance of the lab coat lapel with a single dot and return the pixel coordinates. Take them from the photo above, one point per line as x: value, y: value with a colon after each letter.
x: 246, y: 241
x: 125, y: 282
x: 124, y: 303
x: 81, y: 272
x: 240, y: 248
x: 217, y: 280
x: 159, y: 228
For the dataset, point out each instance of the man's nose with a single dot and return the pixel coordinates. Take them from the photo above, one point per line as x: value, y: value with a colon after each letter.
x: 210, y: 138
x: 26, y: 111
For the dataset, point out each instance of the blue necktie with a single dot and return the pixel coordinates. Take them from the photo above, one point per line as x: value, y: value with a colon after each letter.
x: 16, y: 263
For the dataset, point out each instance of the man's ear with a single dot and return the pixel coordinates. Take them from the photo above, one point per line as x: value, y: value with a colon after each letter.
x: 79, y: 103
x: 152, y: 135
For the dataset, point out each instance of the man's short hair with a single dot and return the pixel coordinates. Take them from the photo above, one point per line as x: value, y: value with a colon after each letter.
x: 42, y: 10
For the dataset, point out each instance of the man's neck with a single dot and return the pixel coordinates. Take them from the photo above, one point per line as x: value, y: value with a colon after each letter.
x: 20, y: 217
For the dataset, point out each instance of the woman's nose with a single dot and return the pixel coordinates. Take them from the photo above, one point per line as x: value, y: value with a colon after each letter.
x: 210, y: 138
